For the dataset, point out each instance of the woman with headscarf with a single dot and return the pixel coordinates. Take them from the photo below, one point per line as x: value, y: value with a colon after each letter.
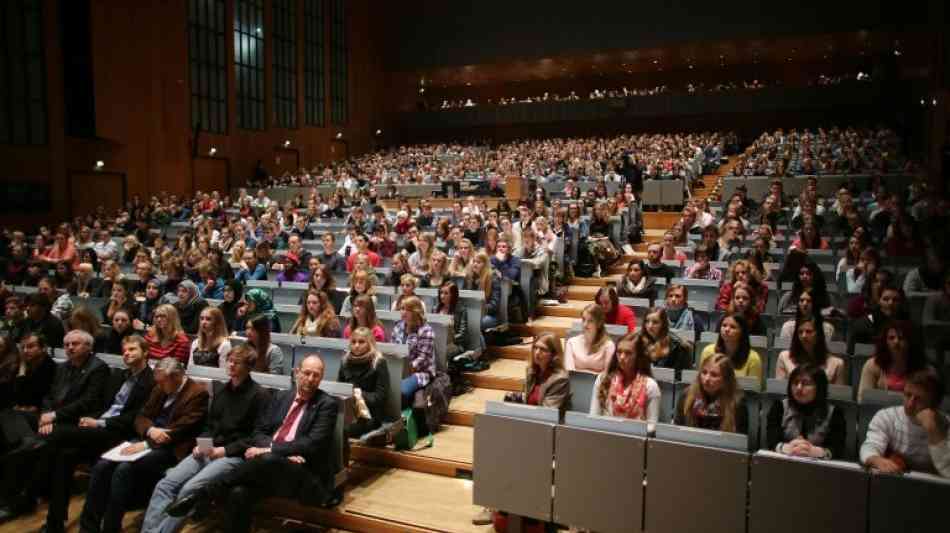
x: 189, y: 306
x: 233, y: 299
x: 257, y: 303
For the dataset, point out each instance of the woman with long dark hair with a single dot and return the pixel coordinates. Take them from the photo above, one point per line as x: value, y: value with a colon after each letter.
x: 666, y: 349
x: 897, y: 354
x: 626, y: 388
x: 809, y: 347
x: 270, y: 358
x: 448, y: 304
x: 734, y: 342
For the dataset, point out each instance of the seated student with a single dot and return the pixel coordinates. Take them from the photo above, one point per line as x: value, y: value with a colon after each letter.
x: 258, y: 302
x: 508, y: 265
x: 809, y: 278
x: 62, y: 304
x: 743, y: 271
x: 31, y: 381
x: 464, y: 252
x: 270, y: 358
x: 913, y: 436
x: 211, y: 346
x: 11, y: 324
x: 806, y: 309
x: 166, y: 338
x: 536, y: 256
x: 449, y: 304
x: 287, y: 457
x: 743, y: 304
x: 804, y: 423
x: 77, y: 390
x: 666, y: 349
x: 189, y: 306
x: 233, y: 300
x: 362, y: 247
x: 896, y: 355
x: 119, y: 299
x: 251, y: 269
x: 365, y: 367
x: 809, y: 239
x: 86, y: 320
x: 364, y: 316
x: 734, y: 342
x: 9, y: 369
x: 210, y: 286
x: 701, y: 269
x: 637, y: 284
x: 615, y: 313
x: 407, y: 288
x: 481, y: 276
x: 329, y: 257
x: 592, y: 349
x: 547, y: 383
x: 810, y: 347
x: 438, y: 270
x: 714, y: 401
x: 420, y: 259
x: 316, y: 317
x: 653, y: 266
x: 121, y: 328
x: 362, y: 283
x: 145, y: 308
x: 84, y: 440
x: 413, y: 330
x: 927, y: 277
x: 626, y: 388
x: 235, y: 407
x: 890, y: 307
x: 167, y: 424
x: 681, y: 316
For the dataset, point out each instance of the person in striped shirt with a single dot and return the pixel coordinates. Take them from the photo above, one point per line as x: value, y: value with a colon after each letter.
x: 912, y: 436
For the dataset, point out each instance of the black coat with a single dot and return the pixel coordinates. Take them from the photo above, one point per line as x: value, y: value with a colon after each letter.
x: 123, y: 422
x: 373, y: 382
x: 29, y: 390
x: 77, y: 392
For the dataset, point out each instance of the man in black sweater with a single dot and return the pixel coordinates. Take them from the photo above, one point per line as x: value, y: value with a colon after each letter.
x: 287, y: 457
x: 655, y: 268
x: 236, y: 406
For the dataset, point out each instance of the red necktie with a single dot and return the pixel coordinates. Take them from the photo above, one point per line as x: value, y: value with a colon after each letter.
x: 289, y: 420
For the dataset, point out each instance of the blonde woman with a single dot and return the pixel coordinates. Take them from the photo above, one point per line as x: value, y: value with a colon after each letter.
x: 364, y: 366
x: 438, y: 270
x: 546, y: 236
x: 626, y: 388
x: 211, y: 346
x: 237, y: 251
x: 316, y: 318
x: 714, y: 401
x: 462, y: 258
x: 419, y: 260
x: 166, y: 338
x: 407, y: 288
x: 480, y: 276
x: 361, y: 283
x: 592, y: 349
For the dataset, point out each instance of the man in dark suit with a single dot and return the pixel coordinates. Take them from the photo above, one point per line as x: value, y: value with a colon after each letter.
x: 172, y: 417
x: 78, y: 390
x: 289, y: 454
x: 70, y: 444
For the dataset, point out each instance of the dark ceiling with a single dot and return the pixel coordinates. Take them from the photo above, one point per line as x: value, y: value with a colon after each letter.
x: 427, y: 34
x: 908, y: 49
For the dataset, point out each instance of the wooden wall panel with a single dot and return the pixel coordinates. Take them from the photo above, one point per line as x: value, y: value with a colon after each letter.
x: 211, y: 174
x: 92, y: 189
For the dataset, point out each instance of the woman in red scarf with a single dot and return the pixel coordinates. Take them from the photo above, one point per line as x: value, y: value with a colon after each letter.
x: 626, y: 389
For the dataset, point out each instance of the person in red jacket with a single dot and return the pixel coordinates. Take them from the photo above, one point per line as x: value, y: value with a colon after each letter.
x: 617, y: 314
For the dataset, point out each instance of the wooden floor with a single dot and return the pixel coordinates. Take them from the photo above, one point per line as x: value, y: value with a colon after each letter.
x: 133, y: 522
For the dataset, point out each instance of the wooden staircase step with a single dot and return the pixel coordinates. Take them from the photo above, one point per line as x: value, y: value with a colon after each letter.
x: 546, y: 324
x: 450, y: 455
x: 515, y: 351
x: 570, y: 309
x: 504, y: 374
x: 580, y: 292
x: 463, y: 408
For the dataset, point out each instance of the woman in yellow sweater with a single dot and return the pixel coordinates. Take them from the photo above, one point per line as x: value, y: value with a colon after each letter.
x: 734, y: 342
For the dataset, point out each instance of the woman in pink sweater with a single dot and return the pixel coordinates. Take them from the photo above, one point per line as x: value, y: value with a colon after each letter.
x: 592, y: 349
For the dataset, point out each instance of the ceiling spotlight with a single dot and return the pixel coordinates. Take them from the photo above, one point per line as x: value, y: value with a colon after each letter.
x: 379, y: 132
x: 258, y: 30
x: 100, y: 164
x: 212, y: 151
x: 933, y: 102
x: 287, y: 143
x: 923, y: 102
x: 339, y: 135
x: 897, y: 53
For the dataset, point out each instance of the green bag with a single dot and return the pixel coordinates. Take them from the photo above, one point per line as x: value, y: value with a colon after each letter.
x: 408, y: 437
